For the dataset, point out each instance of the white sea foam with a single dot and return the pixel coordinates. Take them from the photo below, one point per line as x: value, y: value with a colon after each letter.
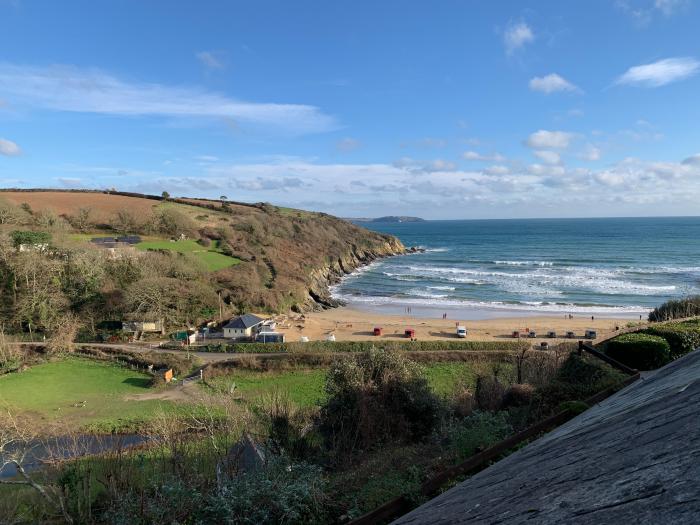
x: 538, y: 306
x: 524, y: 263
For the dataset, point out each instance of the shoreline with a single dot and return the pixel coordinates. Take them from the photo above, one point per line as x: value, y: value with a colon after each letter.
x: 347, y: 323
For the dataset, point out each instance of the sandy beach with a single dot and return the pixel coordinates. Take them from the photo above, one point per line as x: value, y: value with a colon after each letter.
x: 349, y: 324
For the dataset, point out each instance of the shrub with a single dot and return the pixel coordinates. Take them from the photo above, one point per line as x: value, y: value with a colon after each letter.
x: 682, y: 337
x: 489, y: 393
x: 376, y: 397
x: 518, y: 395
x: 477, y: 432
x: 29, y: 238
x: 676, y: 309
x: 282, y: 492
x: 641, y: 351
x: 577, y: 380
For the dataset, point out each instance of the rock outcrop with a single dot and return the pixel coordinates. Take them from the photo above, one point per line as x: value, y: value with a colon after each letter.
x: 321, y: 279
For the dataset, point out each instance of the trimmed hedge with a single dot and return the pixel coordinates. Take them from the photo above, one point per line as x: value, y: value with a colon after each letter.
x: 362, y: 346
x: 640, y: 351
x: 683, y: 337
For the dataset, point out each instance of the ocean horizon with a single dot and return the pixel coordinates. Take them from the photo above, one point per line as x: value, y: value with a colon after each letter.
x: 485, y: 268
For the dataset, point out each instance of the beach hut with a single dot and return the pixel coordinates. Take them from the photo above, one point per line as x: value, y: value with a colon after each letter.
x: 544, y: 345
x: 377, y: 331
x: 570, y: 335
x: 532, y: 334
x: 552, y: 334
x: 410, y: 333
x: 330, y: 338
x: 516, y: 334
x: 591, y: 334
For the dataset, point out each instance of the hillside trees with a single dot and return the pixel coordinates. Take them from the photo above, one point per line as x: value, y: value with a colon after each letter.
x: 173, y: 301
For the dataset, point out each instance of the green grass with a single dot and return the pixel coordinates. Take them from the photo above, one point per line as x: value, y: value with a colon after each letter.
x: 211, y: 257
x: 47, y: 392
x: 305, y: 386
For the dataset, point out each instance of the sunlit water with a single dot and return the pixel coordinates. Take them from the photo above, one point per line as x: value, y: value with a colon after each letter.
x: 487, y: 268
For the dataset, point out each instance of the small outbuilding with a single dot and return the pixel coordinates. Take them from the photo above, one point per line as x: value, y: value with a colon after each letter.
x: 591, y: 334
x: 410, y: 333
x: 552, y: 335
x: 269, y: 337
x: 377, y: 331
x: 570, y: 335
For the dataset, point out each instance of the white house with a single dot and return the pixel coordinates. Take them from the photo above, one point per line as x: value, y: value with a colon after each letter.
x: 242, y: 327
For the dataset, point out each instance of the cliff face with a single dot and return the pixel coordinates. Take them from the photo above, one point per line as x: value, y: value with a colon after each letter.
x: 331, y: 273
x: 292, y: 257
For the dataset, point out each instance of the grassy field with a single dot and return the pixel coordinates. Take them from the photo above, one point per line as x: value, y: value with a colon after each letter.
x: 305, y: 386
x: 211, y: 257
x: 47, y: 393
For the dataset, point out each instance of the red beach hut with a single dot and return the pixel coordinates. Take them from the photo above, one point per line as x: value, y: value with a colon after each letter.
x: 410, y: 332
x: 377, y: 330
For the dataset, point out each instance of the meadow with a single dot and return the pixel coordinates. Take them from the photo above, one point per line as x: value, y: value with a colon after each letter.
x: 79, y: 393
x: 212, y: 258
x: 304, y: 386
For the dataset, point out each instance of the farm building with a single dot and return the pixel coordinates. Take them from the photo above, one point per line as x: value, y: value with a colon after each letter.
x: 243, y: 327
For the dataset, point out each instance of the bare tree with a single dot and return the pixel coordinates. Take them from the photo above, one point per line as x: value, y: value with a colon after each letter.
x: 16, y: 446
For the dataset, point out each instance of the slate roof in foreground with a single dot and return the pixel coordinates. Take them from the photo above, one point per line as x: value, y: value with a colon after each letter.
x: 633, y: 458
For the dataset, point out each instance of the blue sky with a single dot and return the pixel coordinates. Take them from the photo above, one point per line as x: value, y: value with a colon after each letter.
x: 450, y: 109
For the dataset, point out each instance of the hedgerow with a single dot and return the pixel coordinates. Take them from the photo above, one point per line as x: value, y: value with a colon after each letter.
x: 363, y: 346
x: 683, y: 337
x: 639, y: 350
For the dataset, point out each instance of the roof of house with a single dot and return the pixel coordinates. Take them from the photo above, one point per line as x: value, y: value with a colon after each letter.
x: 632, y: 458
x: 244, y: 321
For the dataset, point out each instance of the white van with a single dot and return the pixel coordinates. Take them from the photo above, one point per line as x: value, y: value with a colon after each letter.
x: 462, y: 332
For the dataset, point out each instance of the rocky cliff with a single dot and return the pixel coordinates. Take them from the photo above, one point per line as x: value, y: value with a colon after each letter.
x: 322, y: 278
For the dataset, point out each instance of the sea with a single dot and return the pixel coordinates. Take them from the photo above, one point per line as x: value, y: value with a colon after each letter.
x: 480, y: 269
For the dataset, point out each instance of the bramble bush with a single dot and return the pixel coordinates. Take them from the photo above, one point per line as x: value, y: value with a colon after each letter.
x: 375, y: 398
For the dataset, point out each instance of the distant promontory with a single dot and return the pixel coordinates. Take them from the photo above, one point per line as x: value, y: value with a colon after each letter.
x: 388, y: 218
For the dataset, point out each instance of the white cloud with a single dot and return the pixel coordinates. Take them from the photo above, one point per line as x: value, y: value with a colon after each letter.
x: 644, y: 11
x: 544, y: 139
x: 428, y: 166
x: 347, y: 144
x: 516, y: 36
x: 70, y: 182
x: 346, y: 188
x: 660, y: 73
x: 670, y: 7
x: 63, y: 88
x: 549, y: 157
x: 693, y: 160
x: 552, y: 83
x: 474, y: 155
x: 497, y: 169
x: 9, y: 148
x: 211, y: 59
x: 591, y: 153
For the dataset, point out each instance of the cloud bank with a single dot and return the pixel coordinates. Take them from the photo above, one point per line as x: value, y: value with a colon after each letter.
x: 67, y: 88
